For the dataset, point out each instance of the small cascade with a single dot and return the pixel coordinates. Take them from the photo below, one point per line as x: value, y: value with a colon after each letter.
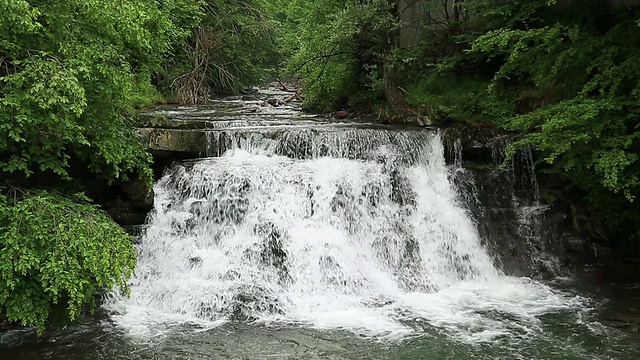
x: 525, y: 193
x: 454, y: 152
x: 504, y: 202
x: 306, y: 142
x: 359, y: 229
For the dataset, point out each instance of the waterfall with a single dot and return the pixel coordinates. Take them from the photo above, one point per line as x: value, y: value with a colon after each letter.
x: 353, y: 229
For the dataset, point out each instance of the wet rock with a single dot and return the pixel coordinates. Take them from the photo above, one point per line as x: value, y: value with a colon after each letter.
x: 140, y: 193
x: 123, y: 212
x: 161, y: 121
x: 231, y: 275
x: 626, y: 323
x: 251, y: 254
x: 228, y: 203
x: 136, y: 231
x: 344, y: 204
x: 210, y: 309
x: 328, y: 262
x: 195, y: 261
x: 341, y: 114
x: 172, y: 140
x: 250, y: 302
x: 275, y: 102
x: 528, y: 237
x: 272, y: 251
x: 421, y: 121
x: 401, y: 191
x: 296, y: 145
x: 477, y: 144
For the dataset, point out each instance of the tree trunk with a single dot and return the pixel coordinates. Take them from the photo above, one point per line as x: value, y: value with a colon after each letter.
x: 392, y: 91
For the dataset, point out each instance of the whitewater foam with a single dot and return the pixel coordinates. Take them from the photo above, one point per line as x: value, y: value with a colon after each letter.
x: 366, y: 243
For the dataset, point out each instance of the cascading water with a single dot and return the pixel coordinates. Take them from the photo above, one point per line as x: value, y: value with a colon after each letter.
x: 530, y: 211
x: 357, y: 229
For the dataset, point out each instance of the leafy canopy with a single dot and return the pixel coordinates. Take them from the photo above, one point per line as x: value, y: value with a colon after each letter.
x: 563, y: 76
x: 574, y: 80
x: 71, y: 72
x: 341, y: 50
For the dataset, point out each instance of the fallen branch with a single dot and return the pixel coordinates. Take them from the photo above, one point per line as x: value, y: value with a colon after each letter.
x: 295, y: 96
x: 284, y: 87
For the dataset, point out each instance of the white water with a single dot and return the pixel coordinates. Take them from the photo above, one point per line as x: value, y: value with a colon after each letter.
x: 370, y: 246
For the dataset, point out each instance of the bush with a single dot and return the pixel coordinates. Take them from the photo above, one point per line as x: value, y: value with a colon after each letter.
x: 57, y: 254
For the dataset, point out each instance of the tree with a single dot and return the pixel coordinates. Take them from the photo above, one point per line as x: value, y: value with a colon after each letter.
x: 70, y: 74
x: 574, y: 80
x: 344, y: 46
x: 566, y: 80
x: 233, y: 46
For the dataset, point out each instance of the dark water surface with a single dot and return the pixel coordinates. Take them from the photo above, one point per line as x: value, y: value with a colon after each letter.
x: 609, y: 331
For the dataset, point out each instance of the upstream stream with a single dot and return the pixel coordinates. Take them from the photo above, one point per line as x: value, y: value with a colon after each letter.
x: 303, y: 238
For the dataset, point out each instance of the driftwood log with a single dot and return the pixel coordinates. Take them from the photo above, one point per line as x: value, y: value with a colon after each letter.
x: 284, y: 87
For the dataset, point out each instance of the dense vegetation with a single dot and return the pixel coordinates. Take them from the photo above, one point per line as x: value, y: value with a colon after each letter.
x: 563, y: 76
x: 233, y: 46
x: 72, y: 73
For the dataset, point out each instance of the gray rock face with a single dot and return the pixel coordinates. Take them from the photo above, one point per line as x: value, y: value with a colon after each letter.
x: 139, y: 193
x: 174, y: 140
x: 528, y: 236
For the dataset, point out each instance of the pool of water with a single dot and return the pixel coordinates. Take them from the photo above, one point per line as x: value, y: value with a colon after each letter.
x: 606, y: 331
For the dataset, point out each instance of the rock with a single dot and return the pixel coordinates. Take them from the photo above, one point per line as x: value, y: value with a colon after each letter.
x: 401, y: 191
x: 181, y: 141
x: 421, y: 121
x: 162, y: 122
x: 481, y: 145
x: 136, y: 231
x: 341, y: 114
x: 251, y: 301
x: 140, y: 193
x: 272, y: 252
x: 275, y: 102
x: 529, y: 237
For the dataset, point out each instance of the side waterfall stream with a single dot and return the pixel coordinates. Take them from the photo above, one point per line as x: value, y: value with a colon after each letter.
x: 327, y: 241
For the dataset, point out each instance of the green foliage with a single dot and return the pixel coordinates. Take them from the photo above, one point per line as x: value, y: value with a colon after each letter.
x: 448, y: 99
x: 576, y: 80
x: 564, y: 77
x: 341, y: 50
x: 71, y: 73
x: 248, y: 43
x: 233, y: 46
x: 56, y: 254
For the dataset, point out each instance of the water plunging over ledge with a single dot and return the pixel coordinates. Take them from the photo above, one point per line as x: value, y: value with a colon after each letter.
x: 343, y: 226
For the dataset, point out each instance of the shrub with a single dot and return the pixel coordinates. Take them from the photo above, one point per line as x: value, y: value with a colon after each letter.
x: 57, y: 254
